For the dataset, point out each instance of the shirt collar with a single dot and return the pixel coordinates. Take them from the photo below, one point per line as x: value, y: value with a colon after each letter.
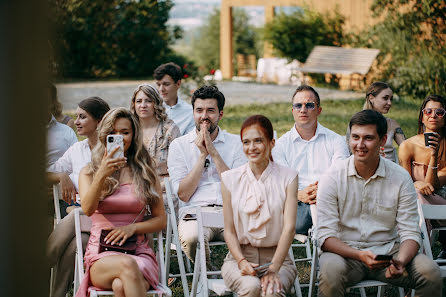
x: 319, y: 131
x: 220, y: 136
x: 380, y: 171
x: 179, y: 104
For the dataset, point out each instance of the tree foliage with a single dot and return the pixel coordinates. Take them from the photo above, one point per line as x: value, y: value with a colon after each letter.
x: 110, y: 38
x: 207, y: 46
x: 411, y: 37
x: 293, y: 36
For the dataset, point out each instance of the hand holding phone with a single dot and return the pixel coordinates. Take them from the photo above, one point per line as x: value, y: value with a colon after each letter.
x: 115, y: 141
x: 383, y: 257
x: 261, y: 269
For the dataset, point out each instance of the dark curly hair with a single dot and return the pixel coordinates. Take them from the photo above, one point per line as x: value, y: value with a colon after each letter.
x: 209, y: 92
x: 171, y: 69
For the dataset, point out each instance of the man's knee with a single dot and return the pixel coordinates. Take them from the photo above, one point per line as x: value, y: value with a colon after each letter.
x: 428, y: 270
x: 333, y: 270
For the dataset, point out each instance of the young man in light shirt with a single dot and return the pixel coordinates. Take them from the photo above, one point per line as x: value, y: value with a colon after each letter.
x: 309, y: 148
x: 367, y: 206
x: 168, y: 81
x: 196, y: 161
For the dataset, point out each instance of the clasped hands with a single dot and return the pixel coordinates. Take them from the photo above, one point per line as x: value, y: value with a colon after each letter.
x: 204, y: 141
x: 268, y: 281
x: 395, y: 268
x: 308, y: 195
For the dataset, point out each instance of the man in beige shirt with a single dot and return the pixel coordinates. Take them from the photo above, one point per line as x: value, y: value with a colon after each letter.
x: 367, y: 206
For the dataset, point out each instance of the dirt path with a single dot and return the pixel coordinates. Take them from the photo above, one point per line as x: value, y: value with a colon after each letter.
x: 118, y: 93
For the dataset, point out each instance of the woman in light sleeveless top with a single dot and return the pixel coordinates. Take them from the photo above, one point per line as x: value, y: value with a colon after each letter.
x: 379, y: 97
x: 259, y: 205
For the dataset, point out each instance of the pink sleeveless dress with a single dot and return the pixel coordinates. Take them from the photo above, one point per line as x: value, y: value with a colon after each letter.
x: 119, y: 209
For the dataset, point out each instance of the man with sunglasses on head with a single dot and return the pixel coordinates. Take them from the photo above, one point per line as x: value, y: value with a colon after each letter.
x: 309, y: 148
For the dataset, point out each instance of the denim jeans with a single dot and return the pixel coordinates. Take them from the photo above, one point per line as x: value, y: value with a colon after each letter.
x: 303, y: 218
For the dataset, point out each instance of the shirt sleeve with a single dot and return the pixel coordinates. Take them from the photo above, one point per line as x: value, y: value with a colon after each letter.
x: 190, y: 126
x: 176, y: 165
x: 327, y: 209
x: 407, y: 218
x: 278, y: 153
x: 340, y: 148
x: 63, y: 164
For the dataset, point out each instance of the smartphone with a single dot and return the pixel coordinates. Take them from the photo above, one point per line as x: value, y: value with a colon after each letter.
x: 426, y: 137
x: 262, y: 268
x: 190, y: 217
x: 114, y: 141
x: 383, y: 257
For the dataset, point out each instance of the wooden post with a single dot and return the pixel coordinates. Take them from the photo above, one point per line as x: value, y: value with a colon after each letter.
x: 269, y: 16
x: 226, y: 40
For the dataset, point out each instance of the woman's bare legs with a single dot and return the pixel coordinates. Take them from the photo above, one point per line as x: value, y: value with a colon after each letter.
x: 119, y: 273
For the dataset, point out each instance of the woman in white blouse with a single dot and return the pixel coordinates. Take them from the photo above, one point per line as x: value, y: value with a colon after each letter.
x: 61, y: 246
x: 259, y: 206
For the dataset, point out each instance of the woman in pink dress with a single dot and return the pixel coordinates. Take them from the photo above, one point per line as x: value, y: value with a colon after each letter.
x: 427, y: 164
x: 259, y: 207
x: 115, y: 193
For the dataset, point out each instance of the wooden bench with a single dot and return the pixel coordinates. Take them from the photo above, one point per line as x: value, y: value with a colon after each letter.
x: 339, y: 60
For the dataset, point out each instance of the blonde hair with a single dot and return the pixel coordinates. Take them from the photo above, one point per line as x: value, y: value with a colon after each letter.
x: 374, y: 89
x: 152, y: 93
x: 138, y: 159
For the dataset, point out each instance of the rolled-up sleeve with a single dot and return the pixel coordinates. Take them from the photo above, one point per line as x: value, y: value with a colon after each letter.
x: 407, y: 218
x: 176, y: 165
x: 327, y: 209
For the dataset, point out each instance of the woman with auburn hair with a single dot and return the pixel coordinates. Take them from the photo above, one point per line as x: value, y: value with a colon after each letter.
x: 158, y: 131
x: 259, y: 207
x: 379, y: 97
x: 427, y: 164
x: 115, y: 192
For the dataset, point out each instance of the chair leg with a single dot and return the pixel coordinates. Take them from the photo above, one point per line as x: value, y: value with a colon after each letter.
x: 313, y: 272
x: 380, y: 291
x: 167, y: 245
x: 195, y: 278
x: 362, y: 292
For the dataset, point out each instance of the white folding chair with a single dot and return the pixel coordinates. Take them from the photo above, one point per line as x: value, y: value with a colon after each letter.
x: 172, y: 240
x: 431, y: 212
x: 56, y: 197
x: 160, y: 290
x: 207, y: 217
x: 362, y: 285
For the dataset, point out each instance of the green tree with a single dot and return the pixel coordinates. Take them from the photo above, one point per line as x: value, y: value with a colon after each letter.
x: 207, y: 45
x: 411, y: 38
x: 293, y: 36
x: 110, y: 38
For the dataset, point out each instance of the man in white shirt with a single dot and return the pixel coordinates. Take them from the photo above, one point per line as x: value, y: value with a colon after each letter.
x: 168, y: 80
x: 367, y: 211
x: 309, y: 148
x: 196, y: 162
x: 59, y: 138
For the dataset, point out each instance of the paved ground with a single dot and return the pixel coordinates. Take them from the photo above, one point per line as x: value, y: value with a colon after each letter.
x: 119, y: 93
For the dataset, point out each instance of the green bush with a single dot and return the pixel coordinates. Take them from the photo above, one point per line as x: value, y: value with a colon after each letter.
x: 293, y: 36
x: 411, y: 38
x: 110, y: 38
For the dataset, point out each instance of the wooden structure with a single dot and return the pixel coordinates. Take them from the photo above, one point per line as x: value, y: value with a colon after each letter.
x: 340, y: 60
x: 357, y: 14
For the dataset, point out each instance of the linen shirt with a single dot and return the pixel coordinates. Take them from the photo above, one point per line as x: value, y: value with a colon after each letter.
x: 373, y: 214
x: 71, y: 163
x: 184, y: 154
x: 311, y: 158
x: 258, y: 205
x: 182, y: 114
x: 60, y: 138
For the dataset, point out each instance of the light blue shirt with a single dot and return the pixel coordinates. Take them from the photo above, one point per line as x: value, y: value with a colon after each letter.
x: 182, y: 115
x: 59, y: 138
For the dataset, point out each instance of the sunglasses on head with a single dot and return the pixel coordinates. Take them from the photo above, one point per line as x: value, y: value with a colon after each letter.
x: 308, y: 105
x: 439, y: 112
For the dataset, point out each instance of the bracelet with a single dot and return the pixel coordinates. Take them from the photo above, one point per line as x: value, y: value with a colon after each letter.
x: 239, y: 261
x: 432, y: 167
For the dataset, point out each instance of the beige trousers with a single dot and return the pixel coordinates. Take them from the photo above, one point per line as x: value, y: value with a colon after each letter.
x: 338, y: 273
x: 247, y: 285
x: 188, y: 234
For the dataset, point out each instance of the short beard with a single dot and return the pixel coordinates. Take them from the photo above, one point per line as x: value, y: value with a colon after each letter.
x: 211, y: 129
